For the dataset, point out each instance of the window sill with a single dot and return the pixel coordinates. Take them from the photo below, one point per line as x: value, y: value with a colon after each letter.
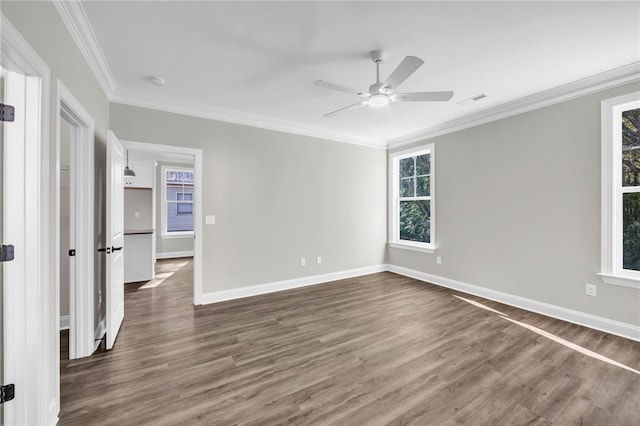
x: 620, y: 280
x: 413, y: 247
x: 177, y: 235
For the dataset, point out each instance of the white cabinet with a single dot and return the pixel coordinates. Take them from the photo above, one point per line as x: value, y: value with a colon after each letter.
x: 138, y: 256
x: 145, y: 175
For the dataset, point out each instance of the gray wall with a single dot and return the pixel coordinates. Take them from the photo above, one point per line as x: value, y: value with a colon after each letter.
x: 276, y: 197
x: 518, y: 209
x: 170, y: 244
x: 39, y: 23
x: 140, y: 201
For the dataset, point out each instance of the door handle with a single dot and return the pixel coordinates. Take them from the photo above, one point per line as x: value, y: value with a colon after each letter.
x: 105, y: 249
x: 116, y: 248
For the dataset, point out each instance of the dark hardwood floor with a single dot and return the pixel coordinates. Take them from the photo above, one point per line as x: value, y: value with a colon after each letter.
x: 379, y: 349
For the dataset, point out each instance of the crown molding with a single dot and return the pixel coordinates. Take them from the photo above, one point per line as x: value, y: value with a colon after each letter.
x: 77, y: 23
x: 170, y: 104
x: 608, y: 79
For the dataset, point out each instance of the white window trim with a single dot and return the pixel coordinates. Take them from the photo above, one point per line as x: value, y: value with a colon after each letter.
x: 163, y: 213
x: 611, y: 250
x: 394, y: 231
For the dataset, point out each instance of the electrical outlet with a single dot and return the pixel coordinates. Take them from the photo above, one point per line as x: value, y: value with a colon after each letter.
x: 319, y: 260
x: 590, y: 290
x: 303, y: 261
x: 438, y: 260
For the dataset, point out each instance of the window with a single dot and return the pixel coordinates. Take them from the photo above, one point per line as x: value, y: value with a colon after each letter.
x: 621, y: 190
x: 185, y: 208
x: 177, y: 218
x: 413, y: 199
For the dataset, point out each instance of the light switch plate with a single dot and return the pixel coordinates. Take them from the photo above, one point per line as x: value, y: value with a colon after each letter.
x: 210, y: 219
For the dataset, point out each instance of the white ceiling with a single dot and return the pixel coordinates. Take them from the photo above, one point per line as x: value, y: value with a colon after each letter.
x: 258, y: 60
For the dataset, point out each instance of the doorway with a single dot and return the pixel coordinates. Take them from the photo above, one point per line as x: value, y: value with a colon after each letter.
x: 78, y: 294
x: 172, y: 156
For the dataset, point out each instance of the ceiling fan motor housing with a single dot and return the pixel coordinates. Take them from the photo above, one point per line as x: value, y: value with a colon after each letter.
x: 377, y: 88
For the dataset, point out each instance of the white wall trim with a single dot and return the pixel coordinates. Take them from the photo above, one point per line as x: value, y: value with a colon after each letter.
x: 174, y: 254
x: 159, y: 102
x: 77, y: 23
x: 612, y: 192
x: 612, y: 78
x: 628, y: 331
x: 81, y: 289
x: 64, y: 322
x: 255, y: 290
x: 33, y: 358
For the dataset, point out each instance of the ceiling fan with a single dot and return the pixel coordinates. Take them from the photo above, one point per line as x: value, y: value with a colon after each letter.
x: 381, y: 94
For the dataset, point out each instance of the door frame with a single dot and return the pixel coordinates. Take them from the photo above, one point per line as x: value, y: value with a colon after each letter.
x: 81, y: 290
x: 197, y: 203
x: 30, y: 351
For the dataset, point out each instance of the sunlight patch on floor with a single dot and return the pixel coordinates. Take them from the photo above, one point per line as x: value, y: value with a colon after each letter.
x: 570, y: 345
x: 166, y: 270
x: 553, y: 337
x: 480, y: 305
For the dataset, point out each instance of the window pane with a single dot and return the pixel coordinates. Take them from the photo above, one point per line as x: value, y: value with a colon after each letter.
x: 179, y: 217
x: 415, y: 217
x: 407, y: 167
x: 185, y: 196
x: 178, y: 176
x: 423, y: 188
x: 422, y: 165
x: 406, y: 187
x: 631, y: 231
x: 631, y: 147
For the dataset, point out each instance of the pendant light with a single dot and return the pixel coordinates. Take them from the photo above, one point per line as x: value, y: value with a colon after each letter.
x: 127, y: 170
x: 129, y: 174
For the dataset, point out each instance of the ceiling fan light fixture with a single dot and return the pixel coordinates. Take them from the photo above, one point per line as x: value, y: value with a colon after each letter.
x: 378, y: 100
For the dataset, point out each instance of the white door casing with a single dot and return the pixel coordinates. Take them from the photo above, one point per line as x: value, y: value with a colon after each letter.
x: 115, y: 239
x: 29, y: 323
x: 81, y: 285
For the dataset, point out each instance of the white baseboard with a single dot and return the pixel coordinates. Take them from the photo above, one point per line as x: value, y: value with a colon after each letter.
x: 255, y: 290
x: 64, y: 322
x: 174, y: 254
x: 628, y: 331
x: 101, y: 329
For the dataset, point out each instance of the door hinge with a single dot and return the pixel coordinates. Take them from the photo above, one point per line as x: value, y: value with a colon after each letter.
x: 7, y: 112
x: 6, y: 253
x: 7, y: 393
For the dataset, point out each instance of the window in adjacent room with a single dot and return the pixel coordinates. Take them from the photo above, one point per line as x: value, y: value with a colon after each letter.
x: 413, y: 199
x: 621, y: 190
x: 177, y: 209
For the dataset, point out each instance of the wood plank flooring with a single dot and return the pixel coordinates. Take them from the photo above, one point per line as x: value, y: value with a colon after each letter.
x: 374, y: 350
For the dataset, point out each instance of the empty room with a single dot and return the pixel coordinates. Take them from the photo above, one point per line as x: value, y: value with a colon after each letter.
x: 320, y: 212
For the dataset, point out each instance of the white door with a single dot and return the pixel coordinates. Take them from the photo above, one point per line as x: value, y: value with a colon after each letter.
x: 115, y: 238
x: 1, y: 242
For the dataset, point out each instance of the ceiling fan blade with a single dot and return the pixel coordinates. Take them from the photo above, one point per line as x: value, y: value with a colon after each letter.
x: 408, y: 66
x: 422, y: 97
x: 338, y: 111
x: 331, y: 86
